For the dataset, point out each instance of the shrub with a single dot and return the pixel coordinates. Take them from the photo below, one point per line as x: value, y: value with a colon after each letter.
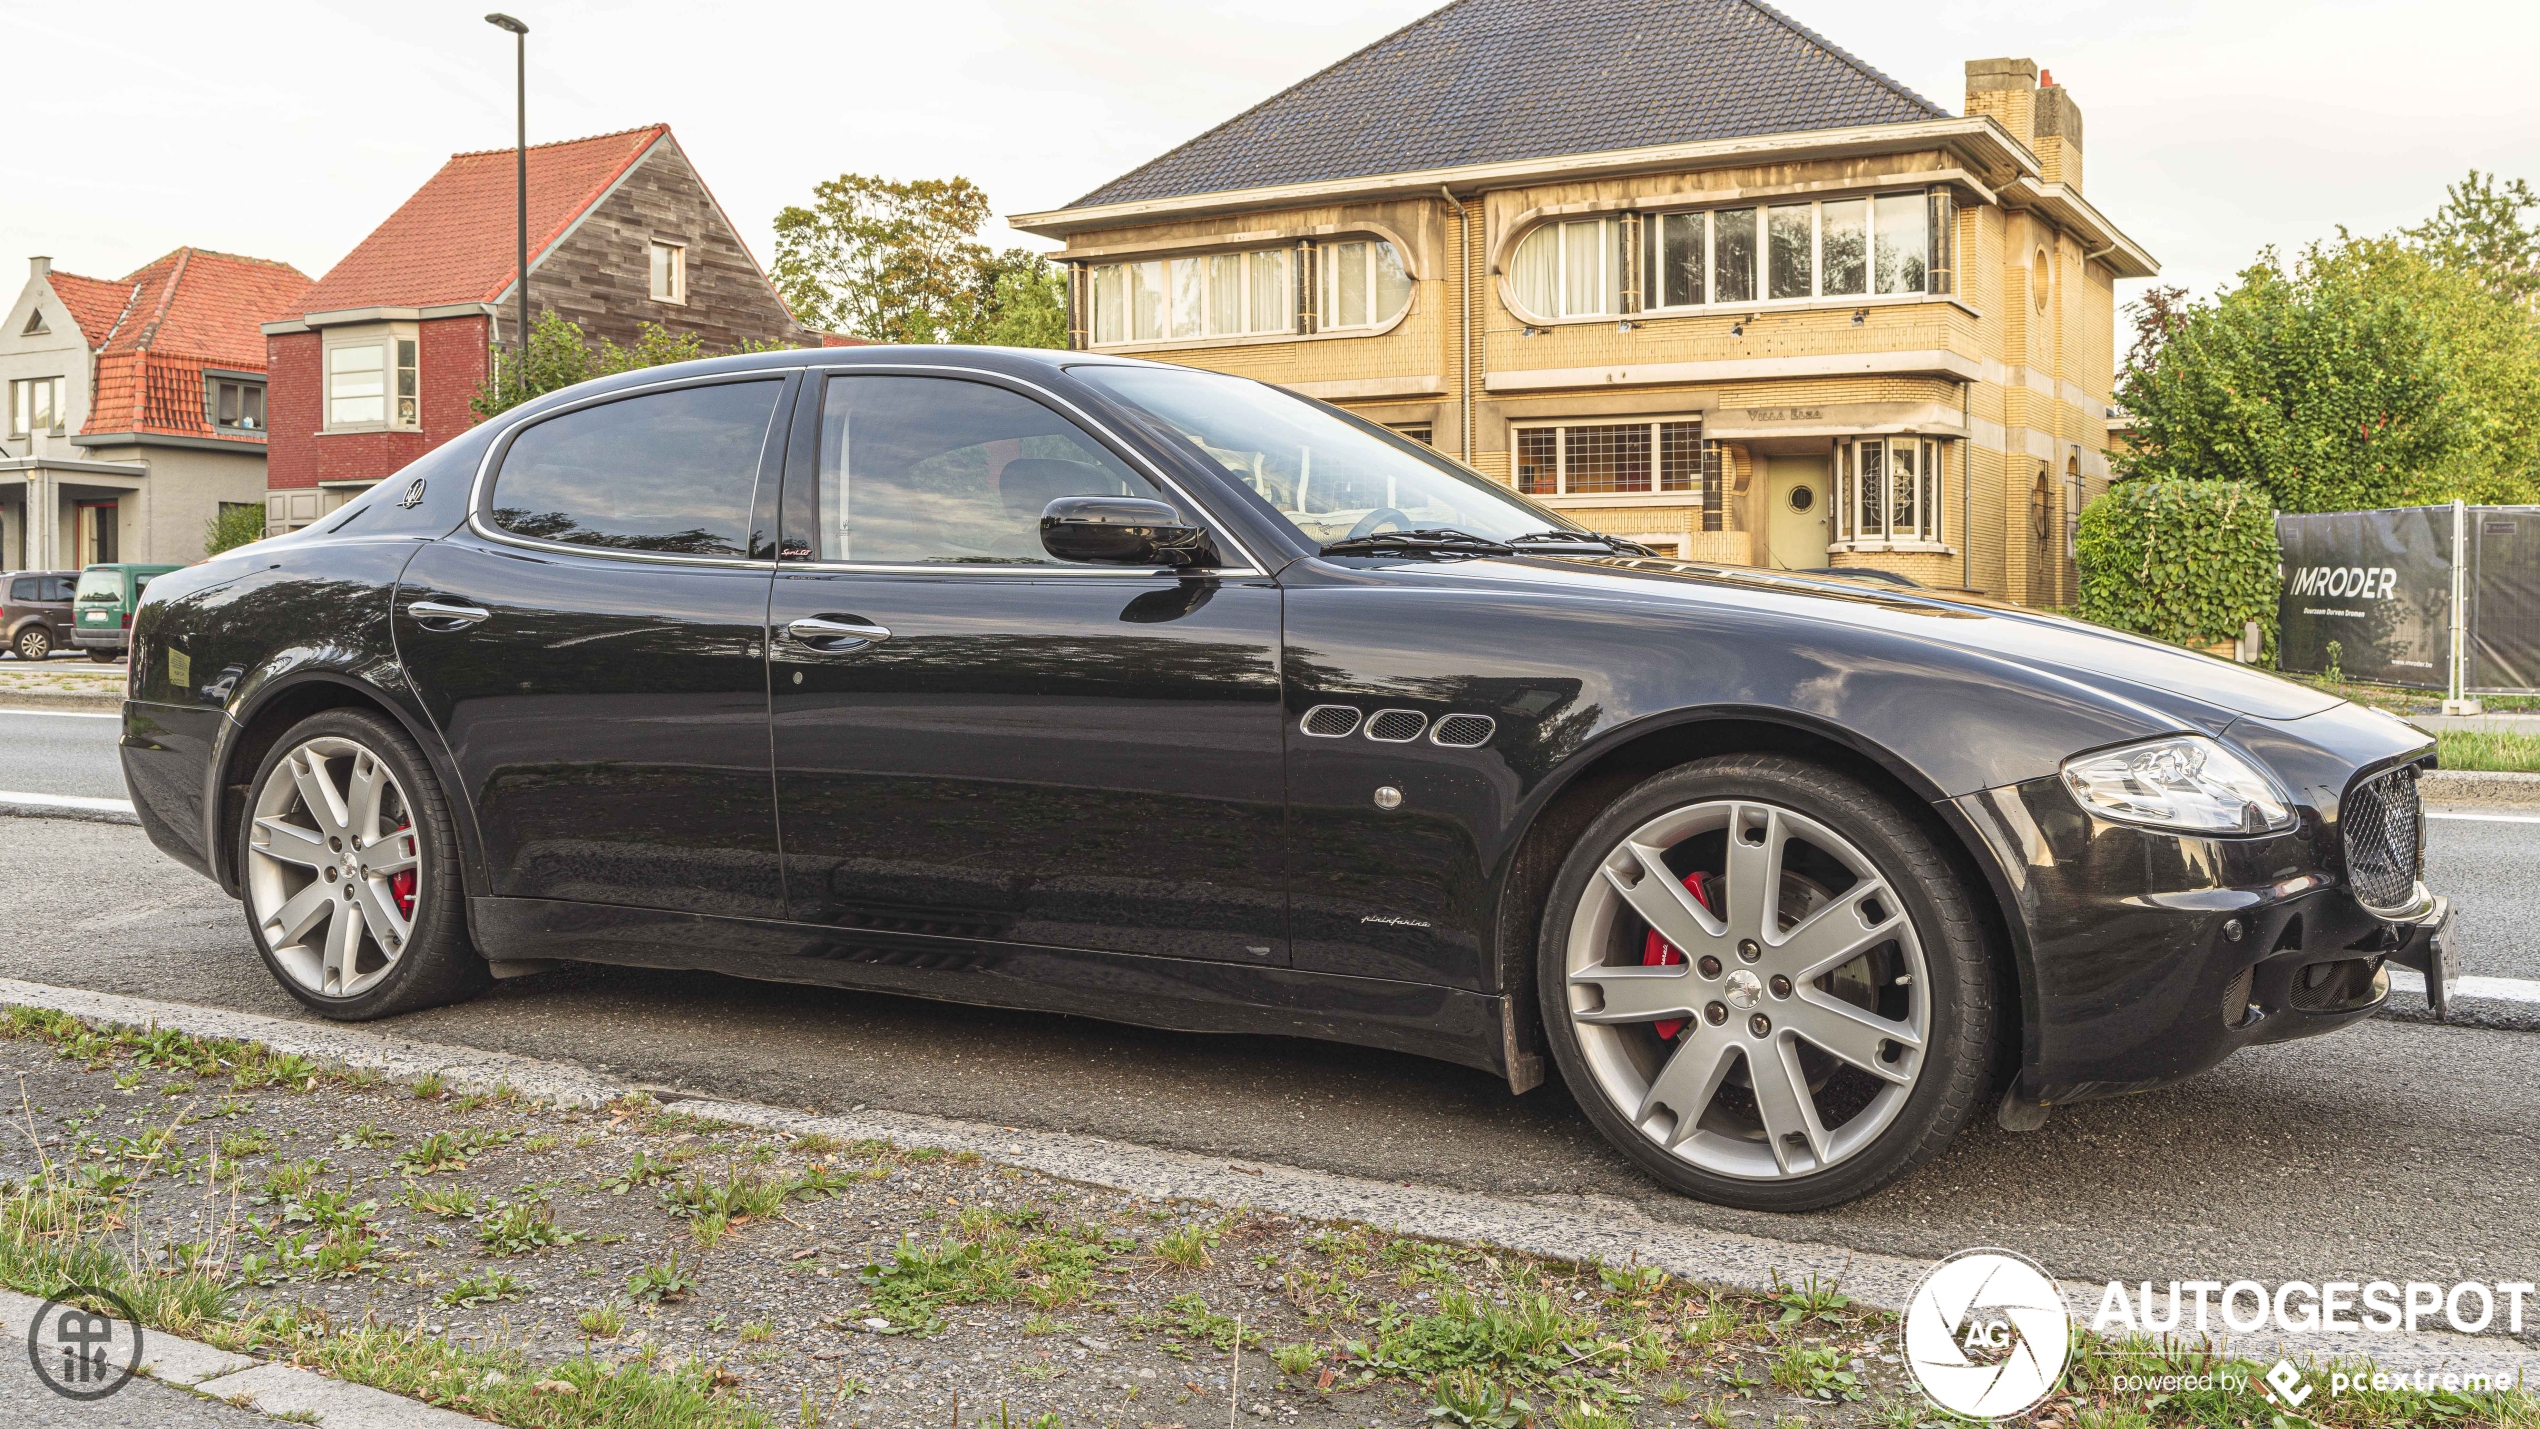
x: 2184, y: 561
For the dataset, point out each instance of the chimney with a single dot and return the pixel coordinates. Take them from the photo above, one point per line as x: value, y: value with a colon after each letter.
x: 2041, y: 116
x: 39, y: 267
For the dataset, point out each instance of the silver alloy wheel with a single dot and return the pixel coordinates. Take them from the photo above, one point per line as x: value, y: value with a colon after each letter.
x: 332, y: 831
x: 1802, y: 1033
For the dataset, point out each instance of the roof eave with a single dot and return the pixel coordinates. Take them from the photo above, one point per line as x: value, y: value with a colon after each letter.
x: 1981, y: 140
x: 2070, y: 211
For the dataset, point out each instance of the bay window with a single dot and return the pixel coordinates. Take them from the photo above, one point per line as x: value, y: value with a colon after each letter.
x: 373, y: 380
x: 1570, y: 269
x: 1887, y: 489
x: 1211, y: 295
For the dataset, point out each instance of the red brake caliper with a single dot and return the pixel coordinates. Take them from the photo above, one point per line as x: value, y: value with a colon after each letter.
x: 1656, y: 951
x: 402, y: 882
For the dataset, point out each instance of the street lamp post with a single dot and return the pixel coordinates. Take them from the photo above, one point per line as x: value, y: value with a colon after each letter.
x: 520, y: 175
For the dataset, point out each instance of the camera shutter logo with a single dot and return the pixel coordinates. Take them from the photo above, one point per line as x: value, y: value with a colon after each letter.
x: 1987, y: 1334
x: 73, y: 1347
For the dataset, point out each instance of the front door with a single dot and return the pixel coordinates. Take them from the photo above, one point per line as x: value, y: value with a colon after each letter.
x: 973, y: 740
x: 597, y: 666
x: 1795, y: 490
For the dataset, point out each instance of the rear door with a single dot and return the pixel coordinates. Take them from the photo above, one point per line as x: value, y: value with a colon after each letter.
x: 975, y: 740
x: 592, y: 645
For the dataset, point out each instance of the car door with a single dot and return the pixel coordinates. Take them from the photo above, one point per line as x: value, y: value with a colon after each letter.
x: 975, y: 740
x: 592, y: 645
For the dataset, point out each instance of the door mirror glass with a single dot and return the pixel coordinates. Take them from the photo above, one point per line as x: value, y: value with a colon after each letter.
x: 1119, y: 530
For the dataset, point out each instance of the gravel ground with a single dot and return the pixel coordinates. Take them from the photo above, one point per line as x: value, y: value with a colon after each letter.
x: 864, y: 1284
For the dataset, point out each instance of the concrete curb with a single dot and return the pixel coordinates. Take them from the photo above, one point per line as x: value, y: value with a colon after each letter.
x: 62, y: 700
x: 18, y: 804
x: 2477, y: 788
x: 250, y: 1383
x: 1569, y: 1227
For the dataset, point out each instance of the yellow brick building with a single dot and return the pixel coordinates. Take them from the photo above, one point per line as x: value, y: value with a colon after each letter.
x: 1681, y: 268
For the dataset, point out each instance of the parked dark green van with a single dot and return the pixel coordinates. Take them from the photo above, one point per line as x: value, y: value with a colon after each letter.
x: 102, y: 606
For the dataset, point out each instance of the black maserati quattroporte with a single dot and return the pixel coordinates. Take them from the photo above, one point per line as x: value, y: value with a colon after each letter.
x: 1101, y: 687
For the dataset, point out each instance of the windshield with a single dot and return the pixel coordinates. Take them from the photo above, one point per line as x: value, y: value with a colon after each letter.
x: 100, y: 585
x: 1332, y: 477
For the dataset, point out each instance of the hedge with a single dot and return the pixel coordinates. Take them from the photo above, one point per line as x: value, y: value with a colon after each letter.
x: 2183, y: 561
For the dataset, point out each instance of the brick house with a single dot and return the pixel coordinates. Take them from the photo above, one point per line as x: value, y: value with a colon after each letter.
x: 1683, y: 268
x: 135, y: 407
x: 377, y: 362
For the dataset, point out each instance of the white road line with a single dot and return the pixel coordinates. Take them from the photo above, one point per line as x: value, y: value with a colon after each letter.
x: 2488, y: 989
x: 60, y: 714
x: 2488, y: 818
x: 81, y: 802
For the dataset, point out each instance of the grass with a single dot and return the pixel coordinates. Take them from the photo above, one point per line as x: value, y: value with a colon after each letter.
x: 2486, y: 752
x: 603, y: 1322
x: 521, y: 1227
x: 484, y: 1289
x: 988, y: 1261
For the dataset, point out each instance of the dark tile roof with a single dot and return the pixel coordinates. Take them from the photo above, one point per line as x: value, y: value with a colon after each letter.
x: 1488, y: 81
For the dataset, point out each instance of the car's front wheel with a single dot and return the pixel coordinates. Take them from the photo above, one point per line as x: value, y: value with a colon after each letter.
x: 35, y: 643
x: 1764, y: 984
x: 350, y: 868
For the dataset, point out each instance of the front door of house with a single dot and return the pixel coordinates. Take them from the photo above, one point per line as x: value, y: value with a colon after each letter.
x: 1795, y: 489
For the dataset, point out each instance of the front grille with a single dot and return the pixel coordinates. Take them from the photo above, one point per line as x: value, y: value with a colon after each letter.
x: 2331, y: 987
x: 1396, y: 726
x: 2385, y: 843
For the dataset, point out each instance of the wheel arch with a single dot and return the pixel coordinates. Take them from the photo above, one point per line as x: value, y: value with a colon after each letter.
x: 1583, y: 786
x: 259, y: 724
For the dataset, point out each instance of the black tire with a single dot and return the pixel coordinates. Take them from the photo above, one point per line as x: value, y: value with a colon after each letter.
x: 439, y: 963
x: 105, y: 657
x: 1957, y: 1071
x: 34, y: 643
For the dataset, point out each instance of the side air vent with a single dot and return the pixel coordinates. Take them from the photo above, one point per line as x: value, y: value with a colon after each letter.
x: 1396, y: 726
x: 1464, y: 731
x: 1331, y: 721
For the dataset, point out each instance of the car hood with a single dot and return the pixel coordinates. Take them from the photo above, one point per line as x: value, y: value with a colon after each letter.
x: 2199, y: 690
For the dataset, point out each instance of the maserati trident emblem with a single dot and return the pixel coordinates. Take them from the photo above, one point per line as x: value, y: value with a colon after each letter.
x: 414, y: 494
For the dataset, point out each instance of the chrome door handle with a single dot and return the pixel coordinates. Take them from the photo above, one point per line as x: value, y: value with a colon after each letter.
x: 435, y: 615
x: 833, y: 634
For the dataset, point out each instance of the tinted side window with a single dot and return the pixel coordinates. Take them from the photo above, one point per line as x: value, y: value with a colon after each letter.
x: 670, y: 471
x: 57, y: 588
x: 934, y: 470
x: 23, y: 589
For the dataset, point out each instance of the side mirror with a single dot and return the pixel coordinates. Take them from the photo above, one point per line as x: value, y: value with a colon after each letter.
x: 1120, y: 531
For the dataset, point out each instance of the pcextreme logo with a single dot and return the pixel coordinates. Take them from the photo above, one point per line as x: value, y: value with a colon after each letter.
x: 1987, y: 1334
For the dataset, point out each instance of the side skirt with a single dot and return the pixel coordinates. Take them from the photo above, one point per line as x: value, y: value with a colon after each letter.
x: 1178, y: 994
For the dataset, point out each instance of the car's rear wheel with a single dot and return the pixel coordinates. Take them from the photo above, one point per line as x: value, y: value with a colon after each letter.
x: 1764, y: 984
x: 105, y: 657
x: 35, y: 643
x: 350, y: 868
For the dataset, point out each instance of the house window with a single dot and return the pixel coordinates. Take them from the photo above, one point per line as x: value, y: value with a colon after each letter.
x: 1420, y: 432
x: 1213, y: 295
x: 35, y: 405
x: 372, y: 381
x: 235, y: 406
x: 1612, y: 458
x: 670, y: 273
x: 1888, y: 489
x: 1570, y: 270
x: 1363, y: 284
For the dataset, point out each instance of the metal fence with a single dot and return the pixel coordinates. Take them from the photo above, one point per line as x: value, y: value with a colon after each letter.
x: 2433, y: 597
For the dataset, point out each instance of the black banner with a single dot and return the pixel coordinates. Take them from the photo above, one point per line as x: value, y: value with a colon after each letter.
x: 2377, y: 584
x: 2504, y: 599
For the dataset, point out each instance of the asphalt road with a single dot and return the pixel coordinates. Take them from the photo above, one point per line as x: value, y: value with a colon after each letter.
x: 2487, y: 868
x: 2391, y: 1150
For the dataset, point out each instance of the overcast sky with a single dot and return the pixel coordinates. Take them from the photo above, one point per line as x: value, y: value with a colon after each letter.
x: 288, y: 130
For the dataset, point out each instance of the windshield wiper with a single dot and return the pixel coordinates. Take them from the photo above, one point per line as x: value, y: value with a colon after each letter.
x: 1428, y: 541
x: 1570, y: 543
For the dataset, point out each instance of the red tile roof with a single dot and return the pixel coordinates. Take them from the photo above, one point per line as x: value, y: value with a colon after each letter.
x: 452, y: 242
x: 95, y: 303
x: 177, y: 316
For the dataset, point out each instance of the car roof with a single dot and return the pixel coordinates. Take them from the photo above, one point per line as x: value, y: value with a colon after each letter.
x: 1041, y: 362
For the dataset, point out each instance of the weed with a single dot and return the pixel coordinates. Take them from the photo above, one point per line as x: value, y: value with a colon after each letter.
x: 542, y: 1143
x: 441, y: 1151
x: 1297, y: 1359
x: 1808, y: 1299
x: 603, y: 1322
x: 1189, y: 1317
x: 1468, y: 1397
x: 483, y: 1290
x: 449, y: 1203
x: 642, y: 1171
x: 758, y: 1332
x: 1580, y: 1414
x: 1187, y: 1246
x: 735, y: 1197
x: 814, y: 1143
x: 1039, y: 1324
x: 663, y: 1282
x: 523, y: 1226
x: 246, y: 1144
x: 429, y: 1087
x: 1817, y: 1372
x: 370, y: 1134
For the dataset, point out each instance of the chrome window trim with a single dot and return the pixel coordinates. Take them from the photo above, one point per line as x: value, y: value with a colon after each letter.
x: 1249, y: 565
x: 1028, y: 572
x: 502, y: 444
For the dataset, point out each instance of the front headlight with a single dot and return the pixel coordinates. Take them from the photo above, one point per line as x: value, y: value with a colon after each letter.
x: 2187, y: 783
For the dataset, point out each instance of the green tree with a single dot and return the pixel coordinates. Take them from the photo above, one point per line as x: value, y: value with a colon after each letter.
x: 901, y: 261
x: 2479, y: 231
x: 2366, y: 374
x: 236, y: 524
x: 560, y: 354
